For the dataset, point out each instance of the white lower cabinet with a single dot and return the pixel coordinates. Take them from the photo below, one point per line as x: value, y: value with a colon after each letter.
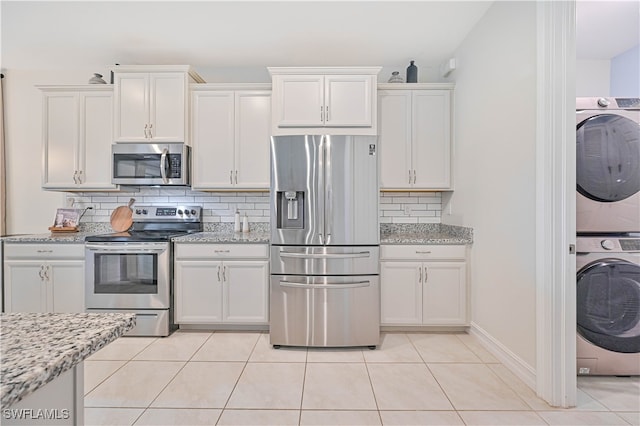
x: 423, y: 285
x: 44, y: 278
x: 221, y: 283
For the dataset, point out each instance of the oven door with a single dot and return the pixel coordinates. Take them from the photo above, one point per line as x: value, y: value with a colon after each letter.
x: 127, y: 275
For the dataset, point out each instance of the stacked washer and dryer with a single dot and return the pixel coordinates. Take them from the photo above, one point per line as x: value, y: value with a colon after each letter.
x: 608, y: 236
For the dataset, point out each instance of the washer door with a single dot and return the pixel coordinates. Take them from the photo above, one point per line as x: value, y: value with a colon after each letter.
x: 608, y: 157
x: 608, y: 304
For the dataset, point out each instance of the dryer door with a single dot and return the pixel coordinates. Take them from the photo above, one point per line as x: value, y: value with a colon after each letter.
x: 608, y: 156
x: 608, y: 304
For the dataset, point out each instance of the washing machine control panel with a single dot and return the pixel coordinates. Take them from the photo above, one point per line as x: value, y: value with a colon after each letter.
x: 629, y: 244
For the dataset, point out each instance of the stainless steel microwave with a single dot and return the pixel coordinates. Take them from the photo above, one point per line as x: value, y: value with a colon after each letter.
x: 151, y: 164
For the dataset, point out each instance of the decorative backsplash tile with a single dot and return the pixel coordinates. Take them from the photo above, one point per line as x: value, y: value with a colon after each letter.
x: 219, y: 207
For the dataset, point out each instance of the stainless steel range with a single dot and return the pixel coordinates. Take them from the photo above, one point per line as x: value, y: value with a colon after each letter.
x: 132, y: 271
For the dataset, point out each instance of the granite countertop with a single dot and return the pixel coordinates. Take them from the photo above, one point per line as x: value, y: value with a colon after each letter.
x: 62, y: 238
x: 410, y: 233
x: 38, y: 347
x: 257, y: 237
x: 427, y: 233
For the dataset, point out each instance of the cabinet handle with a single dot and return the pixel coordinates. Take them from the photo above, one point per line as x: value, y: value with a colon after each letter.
x: 224, y: 273
x: 41, y: 272
x: 75, y: 176
x: 231, y: 177
x: 409, y: 176
x: 326, y: 113
x: 44, y: 251
x: 218, y: 273
x: 46, y: 272
x: 414, y: 176
x: 426, y: 274
x: 146, y: 135
x: 236, y: 177
x: 423, y: 252
x: 420, y: 278
x: 221, y: 251
x: 321, y: 114
x: 80, y: 176
x: 150, y: 131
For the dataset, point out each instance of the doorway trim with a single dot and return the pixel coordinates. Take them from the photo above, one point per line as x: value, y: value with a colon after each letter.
x: 556, y: 380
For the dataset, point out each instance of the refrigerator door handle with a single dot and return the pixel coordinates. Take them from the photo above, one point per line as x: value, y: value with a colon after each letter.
x: 355, y: 284
x: 320, y: 213
x: 329, y: 191
x: 325, y: 255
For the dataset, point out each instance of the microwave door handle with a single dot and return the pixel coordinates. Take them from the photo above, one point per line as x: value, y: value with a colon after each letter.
x: 163, y: 165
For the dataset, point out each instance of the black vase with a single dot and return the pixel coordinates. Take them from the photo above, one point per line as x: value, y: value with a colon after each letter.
x: 412, y: 73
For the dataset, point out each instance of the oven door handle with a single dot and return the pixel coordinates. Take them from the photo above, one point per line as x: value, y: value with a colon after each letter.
x: 140, y: 248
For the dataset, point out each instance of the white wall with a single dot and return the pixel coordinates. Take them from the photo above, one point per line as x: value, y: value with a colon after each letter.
x: 495, y: 122
x: 593, y: 77
x: 625, y: 73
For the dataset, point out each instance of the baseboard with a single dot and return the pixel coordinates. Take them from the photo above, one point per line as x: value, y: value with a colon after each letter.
x: 515, y: 364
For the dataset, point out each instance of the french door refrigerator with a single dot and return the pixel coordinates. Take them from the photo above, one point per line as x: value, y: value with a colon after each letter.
x: 325, y: 288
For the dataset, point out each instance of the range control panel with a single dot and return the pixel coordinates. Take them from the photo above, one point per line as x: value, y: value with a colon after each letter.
x: 168, y: 213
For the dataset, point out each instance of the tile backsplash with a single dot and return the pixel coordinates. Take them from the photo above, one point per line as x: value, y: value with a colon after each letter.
x: 395, y: 207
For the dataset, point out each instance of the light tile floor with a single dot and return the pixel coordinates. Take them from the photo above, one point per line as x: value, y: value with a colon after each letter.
x: 229, y: 378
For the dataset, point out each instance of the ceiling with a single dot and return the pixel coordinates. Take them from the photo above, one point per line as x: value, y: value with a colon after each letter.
x: 238, y: 34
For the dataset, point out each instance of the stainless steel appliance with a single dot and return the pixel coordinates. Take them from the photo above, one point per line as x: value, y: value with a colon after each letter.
x: 151, y: 164
x: 324, y: 241
x: 132, y: 271
x: 608, y: 305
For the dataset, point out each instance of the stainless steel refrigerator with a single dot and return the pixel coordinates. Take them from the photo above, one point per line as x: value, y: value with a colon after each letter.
x: 325, y: 288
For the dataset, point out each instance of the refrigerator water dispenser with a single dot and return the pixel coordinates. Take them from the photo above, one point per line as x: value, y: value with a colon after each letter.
x: 290, y: 209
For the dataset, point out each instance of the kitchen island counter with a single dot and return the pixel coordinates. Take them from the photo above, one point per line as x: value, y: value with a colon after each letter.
x: 38, y: 347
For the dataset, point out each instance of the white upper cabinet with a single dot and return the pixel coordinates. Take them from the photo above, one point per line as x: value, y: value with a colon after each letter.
x: 76, y: 131
x: 151, y: 103
x: 414, y: 126
x: 324, y: 100
x: 230, y: 131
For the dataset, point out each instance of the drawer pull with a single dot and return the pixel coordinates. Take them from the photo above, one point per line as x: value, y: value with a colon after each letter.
x: 221, y: 251
x: 423, y: 252
x: 45, y: 251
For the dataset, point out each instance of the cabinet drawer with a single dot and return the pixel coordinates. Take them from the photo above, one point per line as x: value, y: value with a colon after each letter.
x: 422, y: 252
x: 221, y: 251
x: 43, y: 251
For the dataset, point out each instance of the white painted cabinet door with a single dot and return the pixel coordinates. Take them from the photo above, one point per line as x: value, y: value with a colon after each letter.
x: 96, y: 112
x: 25, y: 286
x: 167, y: 107
x: 60, y: 132
x: 401, y: 293
x: 131, y: 109
x: 348, y: 100
x: 246, y: 292
x: 394, y: 127
x: 198, y: 292
x: 431, y: 129
x: 150, y: 107
x: 299, y: 100
x: 213, y: 139
x: 67, y: 283
x: 444, y: 300
x: 252, y: 138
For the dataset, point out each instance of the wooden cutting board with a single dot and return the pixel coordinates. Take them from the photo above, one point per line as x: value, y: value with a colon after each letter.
x: 122, y: 217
